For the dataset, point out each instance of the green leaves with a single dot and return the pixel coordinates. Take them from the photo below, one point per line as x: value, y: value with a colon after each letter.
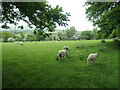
x: 20, y: 27
x: 39, y: 14
x: 104, y: 15
x: 87, y: 35
x: 70, y: 32
x: 5, y: 26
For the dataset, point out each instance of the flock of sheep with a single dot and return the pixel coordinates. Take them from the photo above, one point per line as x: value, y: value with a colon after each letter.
x: 13, y: 40
x: 64, y: 52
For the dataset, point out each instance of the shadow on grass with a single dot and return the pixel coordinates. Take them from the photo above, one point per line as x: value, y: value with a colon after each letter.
x: 98, y: 65
x: 112, y: 45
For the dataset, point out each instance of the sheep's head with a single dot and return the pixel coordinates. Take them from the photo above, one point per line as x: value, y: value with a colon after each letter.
x: 97, y: 54
x: 66, y: 48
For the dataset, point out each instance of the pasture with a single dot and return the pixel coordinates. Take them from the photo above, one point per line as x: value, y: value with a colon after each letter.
x: 34, y: 65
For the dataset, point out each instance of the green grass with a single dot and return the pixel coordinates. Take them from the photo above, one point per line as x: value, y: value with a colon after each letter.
x: 35, y: 66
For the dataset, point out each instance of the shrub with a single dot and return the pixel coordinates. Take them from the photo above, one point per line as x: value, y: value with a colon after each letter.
x: 103, y: 41
x: 115, y: 40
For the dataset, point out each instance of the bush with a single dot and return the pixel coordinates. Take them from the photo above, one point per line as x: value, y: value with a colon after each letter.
x: 115, y: 40
x: 103, y: 41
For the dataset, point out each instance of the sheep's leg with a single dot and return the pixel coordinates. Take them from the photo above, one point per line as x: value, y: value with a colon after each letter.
x: 66, y: 54
x: 61, y: 58
x: 57, y: 58
x: 88, y: 63
x: 93, y: 61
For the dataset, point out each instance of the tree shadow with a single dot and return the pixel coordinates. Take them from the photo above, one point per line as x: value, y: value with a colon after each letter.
x: 98, y: 65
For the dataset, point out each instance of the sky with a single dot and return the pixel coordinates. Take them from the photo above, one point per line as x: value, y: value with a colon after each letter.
x: 78, y: 17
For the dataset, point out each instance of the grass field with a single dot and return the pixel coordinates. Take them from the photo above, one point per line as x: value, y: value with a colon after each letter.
x: 35, y: 66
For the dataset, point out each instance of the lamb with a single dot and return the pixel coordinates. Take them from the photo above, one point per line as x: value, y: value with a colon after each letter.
x: 66, y: 48
x: 61, y: 54
x: 92, y: 58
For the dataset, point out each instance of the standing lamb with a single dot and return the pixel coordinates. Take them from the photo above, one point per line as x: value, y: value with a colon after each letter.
x: 92, y: 58
x: 61, y: 54
x: 66, y: 48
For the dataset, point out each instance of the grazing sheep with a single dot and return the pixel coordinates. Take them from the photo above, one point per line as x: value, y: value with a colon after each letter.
x: 92, y: 57
x: 61, y: 54
x: 11, y: 39
x: 21, y: 43
x: 66, y: 48
x: 24, y: 39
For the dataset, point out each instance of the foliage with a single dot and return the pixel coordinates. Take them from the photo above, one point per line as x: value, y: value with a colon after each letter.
x: 39, y: 14
x: 70, y: 32
x: 22, y: 35
x: 62, y: 35
x: 103, y: 41
x: 87, y: 35
x: 95, y: 33
x: 31, y: 37
x: 116, y: 40
x: 114, y: 33
x: 104, y: 15
x: 6, y: 35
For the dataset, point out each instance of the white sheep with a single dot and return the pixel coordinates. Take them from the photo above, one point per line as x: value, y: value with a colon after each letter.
x: 61, y: 54
x: 92, y: 58
x: 66, y: 48
x: 11, y: 39
x: 21, y: 43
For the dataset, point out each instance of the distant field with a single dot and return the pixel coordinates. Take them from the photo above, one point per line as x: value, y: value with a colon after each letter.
x: 34, y: 66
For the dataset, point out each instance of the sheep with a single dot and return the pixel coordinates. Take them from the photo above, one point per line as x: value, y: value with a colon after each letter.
x: 24, y: 39
x: 21, y: 43
x: 61, y: 54
x: 11, y: 39
x: 66, y: 48
x: 92, y: 57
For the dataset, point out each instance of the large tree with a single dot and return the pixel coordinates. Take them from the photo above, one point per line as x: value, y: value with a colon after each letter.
x: 105, y: 15
x: 39, y: 14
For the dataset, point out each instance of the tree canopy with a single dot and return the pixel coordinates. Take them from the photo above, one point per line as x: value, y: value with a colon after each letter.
x: 71, y: 31
x: 104, y: 15
x: 39, y: 14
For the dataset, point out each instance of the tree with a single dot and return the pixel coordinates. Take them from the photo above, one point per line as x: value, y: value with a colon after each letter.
x: 95, y: 33
x: 30, y: 37
x: 70, y: 32
x: 114, y: 33
x: 87, y: 35
x: 22, y: 35
x: 39, y: 14
x: 61, y: 35
x: 6, y: 35
x: 104, y: 15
